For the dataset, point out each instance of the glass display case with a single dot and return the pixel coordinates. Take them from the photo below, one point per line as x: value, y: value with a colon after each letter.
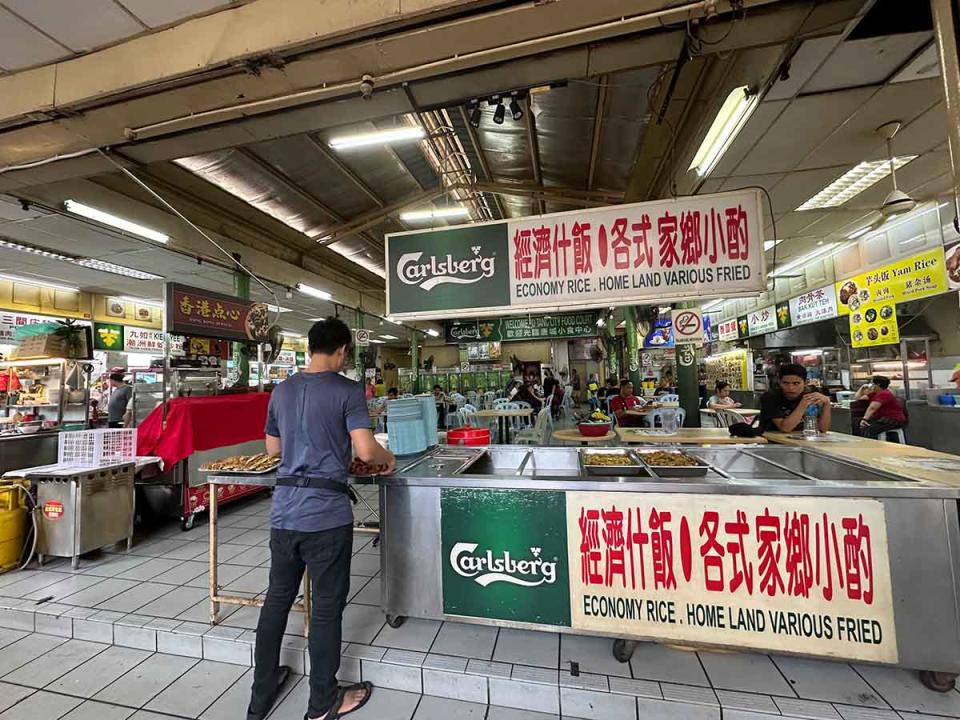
x: 823, y: 366
x: 906, y: 364
x: 147, y: 393
x: 54, y: 390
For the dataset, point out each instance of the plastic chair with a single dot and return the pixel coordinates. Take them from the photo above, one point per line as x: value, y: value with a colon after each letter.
x: 896, y: 432
x: 468, y: 415
x: 488, y: 400
x: 541, y: 431
x: 669, y: 397
x: 472, y: 397
x: 653, y: 416
x: 726, y: 418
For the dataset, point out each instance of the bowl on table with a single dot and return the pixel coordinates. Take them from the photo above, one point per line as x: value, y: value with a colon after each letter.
x: 593, y: 429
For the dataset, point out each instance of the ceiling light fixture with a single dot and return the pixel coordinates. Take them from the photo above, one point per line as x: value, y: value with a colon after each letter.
x: 435, y: 213
x: 290, y: 334
x: 432, y: 333
x: 515, y: 110
x: 499, y: 114
x: 730, y: 119
x: 141, y: 301
x: 853, y: 182
x: 378, y: 342
x: 277, y: 308
x: 380, y: 137
x: 119, y: 223
x: 38, y: 283
x: 10, y: 245
x: 475, y: 114
x: 113, y: 268
x: 389, y: 337
x: 313, y: 292
x: 858, y: 233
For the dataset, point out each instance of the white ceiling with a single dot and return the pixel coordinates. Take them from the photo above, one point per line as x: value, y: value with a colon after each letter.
x: 36, y: 32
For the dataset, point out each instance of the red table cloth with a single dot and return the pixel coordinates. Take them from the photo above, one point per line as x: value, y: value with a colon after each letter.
x: 202, y: 423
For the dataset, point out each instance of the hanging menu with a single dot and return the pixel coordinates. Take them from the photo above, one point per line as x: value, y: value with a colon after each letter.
x: 762, y: 321
x: 912, y: 278
x: 814, y: 306
x: 874, y: 324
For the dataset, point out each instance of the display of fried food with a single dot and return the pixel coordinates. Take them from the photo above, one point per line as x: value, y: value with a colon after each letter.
x: 669, y: 458
x: 244, y: 463
x: 607, y: 459
x: 359, y: 467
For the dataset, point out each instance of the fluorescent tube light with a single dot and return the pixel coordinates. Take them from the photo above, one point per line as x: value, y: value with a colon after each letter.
x: 10, y: 245
x: 432, y: 333
x: 290, y: 334
x: 112, y: 220
x: 378, y: 342
x: 712, y: 304
x: 381, y: 137
x: 389, y: 337
x: 391, y: 320
x: 141, y: 301
x: 313, y: 292
x: 39, y: 283
x: 830, y: 248
x: 859, y: 233
x: 109, y: 267
x: 770, y: 244
x: 277, y: 308
x: 435, y: 213
x: 853, y: 182
x: 600, y: 322
x: 732, y: 116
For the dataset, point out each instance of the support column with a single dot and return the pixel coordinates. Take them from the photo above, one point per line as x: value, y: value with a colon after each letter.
x: 946, y: 26
x: 613, y: 369
x: 241, y: 353
x: 358, y: 354
x: 688, y: 381
x: 633, y: 348
x: 415, y: 361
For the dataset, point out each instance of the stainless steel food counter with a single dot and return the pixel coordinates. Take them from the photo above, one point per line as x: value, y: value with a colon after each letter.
x: 769, y: 548
x: 20, y: 451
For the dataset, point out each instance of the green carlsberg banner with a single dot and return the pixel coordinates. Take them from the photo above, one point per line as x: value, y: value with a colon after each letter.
x: 504, y: 555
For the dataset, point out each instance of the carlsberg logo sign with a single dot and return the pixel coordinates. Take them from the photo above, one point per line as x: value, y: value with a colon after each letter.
x: 427, y: 273
x: 487, y: 568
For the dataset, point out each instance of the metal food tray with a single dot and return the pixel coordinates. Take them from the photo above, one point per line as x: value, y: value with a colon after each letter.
x: 700, y: 469
x: 630, y: 466
x: 240, y: 472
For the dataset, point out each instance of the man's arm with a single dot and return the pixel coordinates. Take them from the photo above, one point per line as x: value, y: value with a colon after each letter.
x: 273, y: 445
x: 370, y: 451
x: 826, y: 412
x: 788, y: 423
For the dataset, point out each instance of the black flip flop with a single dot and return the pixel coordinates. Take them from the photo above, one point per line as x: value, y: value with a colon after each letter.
x: 283, y: 673
x: 341, y: 693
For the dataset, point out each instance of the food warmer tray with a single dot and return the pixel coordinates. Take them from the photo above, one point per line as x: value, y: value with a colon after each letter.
x: 630, y: 465
x: 698, y: 469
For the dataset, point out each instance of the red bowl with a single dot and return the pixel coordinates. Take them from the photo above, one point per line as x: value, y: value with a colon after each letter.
x: 593, y: 429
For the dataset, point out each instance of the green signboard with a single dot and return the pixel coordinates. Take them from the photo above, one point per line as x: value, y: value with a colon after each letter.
x: 108, y: 336
x: 504, y: 555
x: 783, y: 315
x: 527, y: 327
x: 443, y: 269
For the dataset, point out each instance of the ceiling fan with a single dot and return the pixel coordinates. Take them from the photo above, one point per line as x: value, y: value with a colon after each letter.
x: 897, y: 202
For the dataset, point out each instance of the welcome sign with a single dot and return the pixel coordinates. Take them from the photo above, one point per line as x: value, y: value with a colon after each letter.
x: 703, y: 246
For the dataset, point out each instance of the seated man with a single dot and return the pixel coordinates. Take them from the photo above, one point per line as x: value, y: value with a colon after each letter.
x: 884, y: 411
x: 626, y: 400
x: 782, y: 409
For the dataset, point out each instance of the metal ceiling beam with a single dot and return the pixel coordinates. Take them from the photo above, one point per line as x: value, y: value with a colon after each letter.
x: 534, y: 146
x: 481, y: 155
x: 599, y: 112
x: 344, y: 169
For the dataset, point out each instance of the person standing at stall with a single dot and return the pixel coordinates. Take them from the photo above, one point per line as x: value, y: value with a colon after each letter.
x: 313, y: 418
x: 120, y: 393
x: 782, y: 409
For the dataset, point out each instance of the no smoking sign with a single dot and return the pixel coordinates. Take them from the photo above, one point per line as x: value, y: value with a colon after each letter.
x: 688, y: 327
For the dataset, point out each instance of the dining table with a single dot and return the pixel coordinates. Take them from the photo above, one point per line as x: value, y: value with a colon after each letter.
x: 747, y: 413
x: 502, y: 416
x: 684, y: 436
x: 575, y: 436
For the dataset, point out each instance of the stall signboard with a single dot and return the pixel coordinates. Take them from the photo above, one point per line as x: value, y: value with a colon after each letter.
x: 193, y: 311
x: 762, y: 321
x: 952, y: 263
x: 874, y: 324
x: 782, y: 574
x: 783, y: 316
x: 743, y: 327
x: 9, y: 322
x: 727, y: 330
x: 108, y: 337
x: 734, y: 367
x: 660, y: 335
x: 701, y: 246
x: 535, y: 327
x: 814, y: 306
x: 286, y: 357
x: 912, y: 278
x: 688, y: 327
x: 142, y: 340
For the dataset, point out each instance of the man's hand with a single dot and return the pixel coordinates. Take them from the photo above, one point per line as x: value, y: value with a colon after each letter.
x: 814, y: 399
x: 391, y: 466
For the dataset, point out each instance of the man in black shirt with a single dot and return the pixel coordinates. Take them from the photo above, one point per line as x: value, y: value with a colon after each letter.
x: 782, y: 409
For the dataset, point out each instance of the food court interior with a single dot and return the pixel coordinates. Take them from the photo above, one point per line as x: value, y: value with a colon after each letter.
x: 187, y: 187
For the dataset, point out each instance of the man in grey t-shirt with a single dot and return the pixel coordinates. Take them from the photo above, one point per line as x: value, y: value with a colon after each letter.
x: 313, y: 419
x: 120, y: 394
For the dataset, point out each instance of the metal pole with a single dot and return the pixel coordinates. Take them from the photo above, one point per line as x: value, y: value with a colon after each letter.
x: 946, y: 17
x: 633, y: 347
x: 358, y: 353
x: 212, y: 510
x: 241, y: 356
x: 415, y: 361
x: 688, y: 381
x: 613, y: 367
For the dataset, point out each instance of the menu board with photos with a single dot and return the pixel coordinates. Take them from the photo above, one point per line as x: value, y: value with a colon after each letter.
x: 734, y: 367
x: 874, y: 324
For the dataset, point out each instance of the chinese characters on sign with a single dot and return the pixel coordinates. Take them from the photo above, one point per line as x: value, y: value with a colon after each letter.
x: 763, y: 572
x: 192, y: 311
x: 707, y: 246
x: 814, y: 306
x: 549, y: 326
x: 727, y: 329
x: 143, y: 340
x: 915, y: 277
x: 762, y: 321
x: 874, y: 324
x: 9, y: 322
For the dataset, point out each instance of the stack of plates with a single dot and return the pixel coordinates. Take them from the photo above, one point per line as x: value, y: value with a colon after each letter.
x: 405, y: 426
x: 428, y: 405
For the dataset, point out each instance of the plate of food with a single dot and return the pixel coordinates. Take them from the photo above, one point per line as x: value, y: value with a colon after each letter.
x: 609, y: 461
x: 673, y: 463
x: 259, y: 464
x: 359, y: 468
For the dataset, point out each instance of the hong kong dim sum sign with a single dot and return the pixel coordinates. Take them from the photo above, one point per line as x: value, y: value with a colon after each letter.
x: 196, y: 312
x: 691, y: 247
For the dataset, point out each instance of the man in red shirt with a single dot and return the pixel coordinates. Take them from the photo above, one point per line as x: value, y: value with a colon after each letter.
x: 884, y: 412
x: 626, y: 400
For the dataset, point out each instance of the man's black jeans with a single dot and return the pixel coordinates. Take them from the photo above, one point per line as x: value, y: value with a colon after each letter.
x: 327, y: 556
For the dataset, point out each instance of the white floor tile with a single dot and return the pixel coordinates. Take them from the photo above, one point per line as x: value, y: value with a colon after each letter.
x: 465, y: 640
x: 495, y: 712
x: 136, y: 597
x: 92, y: 710
x: 196, y: 689
x: 414, y: 634
x: 434, y: 708
x: 361, y: 623
x: 903, y: 690
x: 233, y: 703
x: 41, y: 704
x: 98, y: 672
x: 746, y: 672
x: 141, y: 684
x: 56, y: 663
x: 828, y: 681
x: 657, y: 662
x: 528, y: 647
x: 25, y: 650
x: 592, y: 654
x: 149, y: 569
x: 12, y: 694
x: 387, y: 705
x: 174, y: 602
x: 101, y: 592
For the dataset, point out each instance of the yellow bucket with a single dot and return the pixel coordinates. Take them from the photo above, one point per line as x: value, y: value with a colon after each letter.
x: 13, y: 526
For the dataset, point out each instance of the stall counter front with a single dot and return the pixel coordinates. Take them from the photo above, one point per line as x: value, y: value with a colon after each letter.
x: 199, y: 430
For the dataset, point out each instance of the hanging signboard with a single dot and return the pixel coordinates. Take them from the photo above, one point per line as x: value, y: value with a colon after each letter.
x: 9, y: 322
x: 701, y: 246
x: 912, y: 278
x: 783, y: 316
x: 814, y: 306
x: 874, y: 324
x: 762, y: 321
x: 688, y: 327
x: 717, y: 569
x: 952, y: 264
x: 535, y: 327
x: 362, y: 337
x: 193, y: 311
x: 108, y: 337
x: 727, y: 330
x: 142, y: 340
x: 743, y: 327
x: 660, y: 335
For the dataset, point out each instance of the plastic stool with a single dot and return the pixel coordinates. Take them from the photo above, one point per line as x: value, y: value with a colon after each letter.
x: 898, y: 433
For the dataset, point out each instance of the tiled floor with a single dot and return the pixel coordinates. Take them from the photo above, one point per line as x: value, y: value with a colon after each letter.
x: 126, y: 636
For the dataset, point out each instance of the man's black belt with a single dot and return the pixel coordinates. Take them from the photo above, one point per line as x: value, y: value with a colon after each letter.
x: 318, y: 483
